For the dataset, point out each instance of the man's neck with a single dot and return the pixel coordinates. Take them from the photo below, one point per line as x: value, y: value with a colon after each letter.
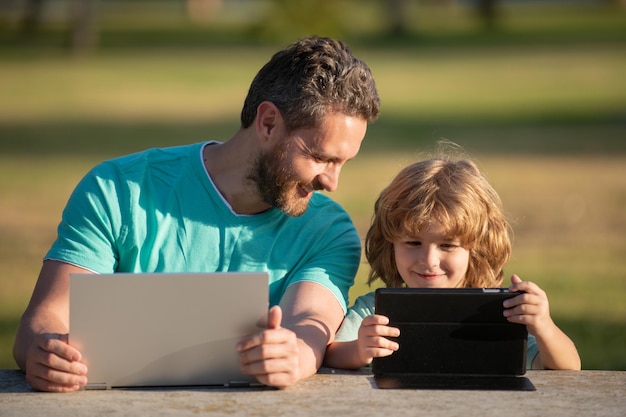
x: 228, y: 165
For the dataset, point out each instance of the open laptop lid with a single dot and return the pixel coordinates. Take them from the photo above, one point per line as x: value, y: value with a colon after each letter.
x: 178, y: 329
x: 451, y: 333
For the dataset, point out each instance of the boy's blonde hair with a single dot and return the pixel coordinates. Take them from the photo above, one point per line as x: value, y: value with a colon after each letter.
x: 454, y: 194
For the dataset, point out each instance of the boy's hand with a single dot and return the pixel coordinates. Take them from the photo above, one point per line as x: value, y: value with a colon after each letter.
x: 531, y: 308
x: 373, y: 342
x: 556, y: 350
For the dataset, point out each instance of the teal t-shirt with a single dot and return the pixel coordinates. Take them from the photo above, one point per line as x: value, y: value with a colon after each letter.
x: 158, y: 211
x: 364, y: 306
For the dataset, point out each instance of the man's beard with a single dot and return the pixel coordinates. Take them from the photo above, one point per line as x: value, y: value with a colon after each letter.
x: 274, y: 180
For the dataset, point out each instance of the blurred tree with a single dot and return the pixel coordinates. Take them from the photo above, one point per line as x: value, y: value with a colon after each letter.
x: 398, y: 15
x: 202, y: 10
x: 288, y: 19
x: 84, y: 33
x: 487, y: 12
x: 31, y: 16
x: 401, y: 19
x: 82, y: 20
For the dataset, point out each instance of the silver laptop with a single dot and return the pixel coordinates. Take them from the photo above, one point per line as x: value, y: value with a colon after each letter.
x: 165, y: 330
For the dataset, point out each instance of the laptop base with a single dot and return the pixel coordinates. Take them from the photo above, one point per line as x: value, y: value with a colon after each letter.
x: 454, y: 382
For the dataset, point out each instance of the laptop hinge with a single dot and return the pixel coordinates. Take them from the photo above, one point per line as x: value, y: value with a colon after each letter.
x: 96, y: 386
x: 243, y: 384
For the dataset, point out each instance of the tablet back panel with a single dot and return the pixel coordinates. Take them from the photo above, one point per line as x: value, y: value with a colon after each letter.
x: 451, y: 331
x: 143, y: 330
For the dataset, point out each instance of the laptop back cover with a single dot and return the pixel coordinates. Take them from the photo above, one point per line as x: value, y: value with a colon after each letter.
x: 451, y: 331
x: 142, y: 330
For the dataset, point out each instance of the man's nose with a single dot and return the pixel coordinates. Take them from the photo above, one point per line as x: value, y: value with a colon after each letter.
x: 329, y: 179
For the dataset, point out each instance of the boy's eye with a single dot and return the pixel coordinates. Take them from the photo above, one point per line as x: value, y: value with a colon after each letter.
x: 449, y: 246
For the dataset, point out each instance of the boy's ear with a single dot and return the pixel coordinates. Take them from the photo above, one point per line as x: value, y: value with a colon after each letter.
x: 268, y: 120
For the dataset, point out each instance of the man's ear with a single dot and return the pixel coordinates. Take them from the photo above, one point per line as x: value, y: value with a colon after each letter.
x: 268, y: 120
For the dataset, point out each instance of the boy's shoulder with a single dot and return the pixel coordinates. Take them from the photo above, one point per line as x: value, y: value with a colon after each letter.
x: 364, y: 304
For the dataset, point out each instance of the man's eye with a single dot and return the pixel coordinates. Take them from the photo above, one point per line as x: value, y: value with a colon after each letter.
x: 318, y: 157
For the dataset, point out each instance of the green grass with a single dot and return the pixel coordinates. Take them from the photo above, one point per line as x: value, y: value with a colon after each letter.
x: 540, y: 105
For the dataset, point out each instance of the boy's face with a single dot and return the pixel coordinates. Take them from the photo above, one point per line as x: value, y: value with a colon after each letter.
x: 431, y: 259
x: 306, y: 160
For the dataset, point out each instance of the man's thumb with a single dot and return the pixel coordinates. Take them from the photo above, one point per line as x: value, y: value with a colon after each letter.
x: 274, y: 317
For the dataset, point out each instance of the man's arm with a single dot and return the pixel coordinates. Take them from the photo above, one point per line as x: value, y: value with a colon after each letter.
x: 293, y: 348
x: 41, y: 346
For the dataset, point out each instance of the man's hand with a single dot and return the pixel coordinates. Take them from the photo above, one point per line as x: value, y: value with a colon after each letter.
x: 271, y: 355
x: 41, y: 346
x: 53, y: 365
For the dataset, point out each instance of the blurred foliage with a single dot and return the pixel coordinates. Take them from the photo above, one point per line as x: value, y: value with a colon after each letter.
x: 288, y: 19
x: 383, y: 23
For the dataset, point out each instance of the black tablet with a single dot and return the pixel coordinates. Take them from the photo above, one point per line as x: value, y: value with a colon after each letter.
x: 451, y: 332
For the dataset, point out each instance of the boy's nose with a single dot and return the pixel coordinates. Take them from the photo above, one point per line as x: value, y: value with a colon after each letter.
x: 429, y: 257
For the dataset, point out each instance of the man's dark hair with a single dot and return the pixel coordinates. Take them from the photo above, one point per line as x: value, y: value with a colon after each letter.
x: 311, y: 78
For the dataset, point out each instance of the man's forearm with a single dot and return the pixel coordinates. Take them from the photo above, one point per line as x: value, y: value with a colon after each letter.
x: 311, y: 349
x: 23, y: 339
x: 32, y: 324
x: 343, y: 355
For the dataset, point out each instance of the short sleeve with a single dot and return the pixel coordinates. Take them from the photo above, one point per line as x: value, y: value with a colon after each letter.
x: 531, y: 351
x: 349, y: 329
x: 86, y: 234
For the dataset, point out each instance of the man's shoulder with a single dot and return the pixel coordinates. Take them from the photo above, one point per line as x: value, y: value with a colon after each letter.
x: 139, y: 164
x: 158, y: 155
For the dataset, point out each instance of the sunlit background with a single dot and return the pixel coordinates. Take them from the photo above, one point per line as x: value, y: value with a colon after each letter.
x: 534, y: 91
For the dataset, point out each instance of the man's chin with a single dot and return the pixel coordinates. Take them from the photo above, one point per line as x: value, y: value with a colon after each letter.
x: 295, y: 211
x: 295, y: 207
